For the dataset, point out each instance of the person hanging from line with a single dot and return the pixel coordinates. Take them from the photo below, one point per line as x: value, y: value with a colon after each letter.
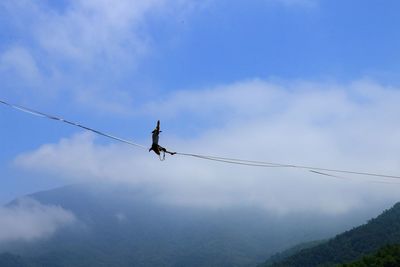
x: 155, y: 146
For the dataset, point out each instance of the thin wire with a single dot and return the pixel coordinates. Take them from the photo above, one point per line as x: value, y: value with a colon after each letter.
x: 384, y: 180
x: 376, y: 181
x: 236, y: 161
x: 226, y: 160
x: 316, y: 170
x: 274, y: 164
x: 44, y: 115
x: 329, y: 175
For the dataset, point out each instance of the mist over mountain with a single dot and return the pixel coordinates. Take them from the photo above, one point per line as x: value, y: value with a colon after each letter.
x: 126, y: 226
x: 352, y: 245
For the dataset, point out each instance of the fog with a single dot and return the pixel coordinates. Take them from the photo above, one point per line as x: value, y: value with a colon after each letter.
x: 29, y: 220
x: 346, y: 126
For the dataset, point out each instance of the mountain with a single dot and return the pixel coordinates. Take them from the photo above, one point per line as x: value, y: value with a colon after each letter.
x: 351, y: 245
x: 388, y: 256
x: 123, y: 226
x: 10, y: 260
x: 280, y: 256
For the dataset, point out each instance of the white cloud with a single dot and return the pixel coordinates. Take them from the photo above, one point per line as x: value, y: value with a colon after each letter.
x: 90, y: 29
x: 116, y: 101
x: 83, y: 31
x: 352, y: 126
x: 18, y: 61
x: 69, y: 48
x: 82, y: 45
x: 28, y: 220
x: 242, y: 98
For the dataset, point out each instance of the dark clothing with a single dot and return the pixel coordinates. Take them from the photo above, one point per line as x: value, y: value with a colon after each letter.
x: 155, y: 146
x: 157, y: 149
x: 155, y: 137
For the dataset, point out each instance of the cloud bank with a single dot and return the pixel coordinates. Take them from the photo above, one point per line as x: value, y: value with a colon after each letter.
x: 347, y: 126
x: 79, y: 50
x: 28, y: 220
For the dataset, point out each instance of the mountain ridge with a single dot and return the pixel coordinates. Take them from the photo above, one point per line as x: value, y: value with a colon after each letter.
x: 352, y: 244
x: 121, y: 226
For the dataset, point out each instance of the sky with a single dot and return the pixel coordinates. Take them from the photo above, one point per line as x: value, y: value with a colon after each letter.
x: 311, y: 82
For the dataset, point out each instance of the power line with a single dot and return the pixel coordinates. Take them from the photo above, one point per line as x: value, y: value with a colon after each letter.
x: 252, y: 163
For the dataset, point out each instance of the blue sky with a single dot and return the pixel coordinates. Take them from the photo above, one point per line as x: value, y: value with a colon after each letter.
x: 297, y: 81
x: 329, y: 39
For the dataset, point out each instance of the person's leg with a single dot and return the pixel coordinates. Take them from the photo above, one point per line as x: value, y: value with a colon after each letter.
x: 156, y: 149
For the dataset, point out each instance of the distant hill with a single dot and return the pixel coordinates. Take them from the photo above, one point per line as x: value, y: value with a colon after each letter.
x: 10, y: 260
x: 280, y: 256
x: 388, y: 256
x: 121, y: 226
x: 351, y: 245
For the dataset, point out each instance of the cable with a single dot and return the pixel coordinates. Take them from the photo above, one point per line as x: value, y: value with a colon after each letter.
x: 44, y: 115
x: 274, y: 164
x: 226, y: 160
x: 316, y: 170
x: 279, y: 165
x: 329, y: 175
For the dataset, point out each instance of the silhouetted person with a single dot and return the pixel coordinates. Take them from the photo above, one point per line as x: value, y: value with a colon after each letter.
x: 155, y: 146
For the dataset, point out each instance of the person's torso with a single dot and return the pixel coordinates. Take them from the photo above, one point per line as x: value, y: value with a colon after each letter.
x: 155, y: 138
